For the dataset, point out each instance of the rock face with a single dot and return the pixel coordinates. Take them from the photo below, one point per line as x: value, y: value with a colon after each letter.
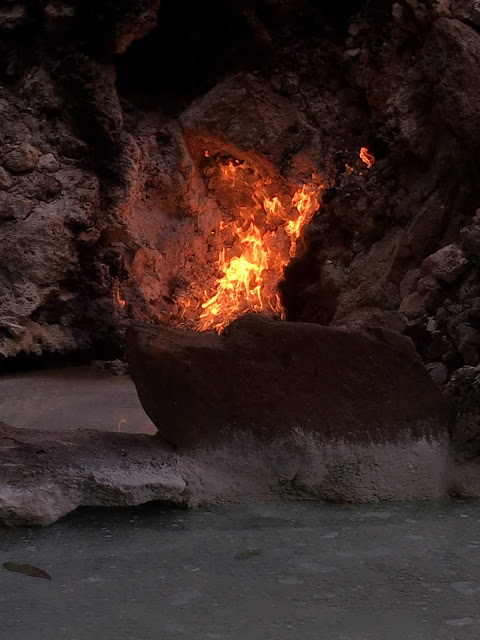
x: 109, y: 209
x: 269, y: 379
x: 105, y: 195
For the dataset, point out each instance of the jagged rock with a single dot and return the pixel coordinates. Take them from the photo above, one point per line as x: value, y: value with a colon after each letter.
x: 462, y: 9
x: 22, y: 158
x: 470, y: 237
x: 48, y: 162
x: 13, y: 207
x: 243, y: 113
x: 270, y: 379
x: 5, y: 180
x: 447, y: 264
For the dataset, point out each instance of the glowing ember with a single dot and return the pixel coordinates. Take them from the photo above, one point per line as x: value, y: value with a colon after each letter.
x: 248, y: 281
x: 367, y: 157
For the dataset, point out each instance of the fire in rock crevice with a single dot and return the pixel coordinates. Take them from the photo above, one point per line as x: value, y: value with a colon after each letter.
x: 259, y: 240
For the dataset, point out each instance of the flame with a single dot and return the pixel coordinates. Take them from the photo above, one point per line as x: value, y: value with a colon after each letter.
x: 120, y: 300
x: 242, y: 285
x: 367, y: 157
x: 306, y: 202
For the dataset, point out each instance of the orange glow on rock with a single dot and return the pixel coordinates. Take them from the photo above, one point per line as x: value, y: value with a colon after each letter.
x: 120, y: 300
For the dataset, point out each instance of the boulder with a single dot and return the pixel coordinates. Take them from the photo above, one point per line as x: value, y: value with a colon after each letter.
x: 22, y: 158
x: 242, y: 113
x: 446, y: 264
x: 272, y: 380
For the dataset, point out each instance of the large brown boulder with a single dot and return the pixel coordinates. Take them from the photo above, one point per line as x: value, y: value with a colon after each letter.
x: 274, y: 379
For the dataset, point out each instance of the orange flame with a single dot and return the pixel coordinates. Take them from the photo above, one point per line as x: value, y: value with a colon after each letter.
x: 367, y: 157
x: 242, y: 285
x: 120, y: 300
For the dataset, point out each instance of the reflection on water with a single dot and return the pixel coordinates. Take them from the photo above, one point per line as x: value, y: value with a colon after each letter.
x: 73, y: 398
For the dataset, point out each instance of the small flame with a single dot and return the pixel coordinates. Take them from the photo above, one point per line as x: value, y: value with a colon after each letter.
x: 120, y: 300
x: 306, y: 202
x: 367, y: 157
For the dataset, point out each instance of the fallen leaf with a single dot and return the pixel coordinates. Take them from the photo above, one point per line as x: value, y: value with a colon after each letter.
x: 247, y: 553
x: 27, y: 569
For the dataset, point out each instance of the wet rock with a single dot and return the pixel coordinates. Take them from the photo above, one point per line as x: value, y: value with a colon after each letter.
x: 447, y: 264
x: 269, y: 379
x: 22, y: 158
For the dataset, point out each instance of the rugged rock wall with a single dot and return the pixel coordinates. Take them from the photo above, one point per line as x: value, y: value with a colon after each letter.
x: 105, y: 203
